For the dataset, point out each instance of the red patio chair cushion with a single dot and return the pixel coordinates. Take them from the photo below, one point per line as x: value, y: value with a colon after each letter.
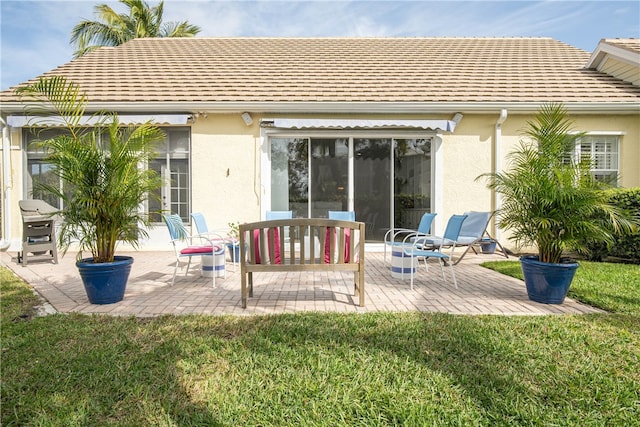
x: 198, y: 250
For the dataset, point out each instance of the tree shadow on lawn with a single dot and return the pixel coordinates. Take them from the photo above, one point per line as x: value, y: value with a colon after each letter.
x: 523, y: 368
x: 200, y: 370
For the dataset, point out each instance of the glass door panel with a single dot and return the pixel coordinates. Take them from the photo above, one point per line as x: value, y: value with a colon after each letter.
x: 329, y: 174
x: 412, y: 181
x: 290, y: 175
x: 372, y: 185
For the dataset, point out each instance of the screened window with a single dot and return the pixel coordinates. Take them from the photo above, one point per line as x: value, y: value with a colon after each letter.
x: 172, y: 164
x: 38, y: 171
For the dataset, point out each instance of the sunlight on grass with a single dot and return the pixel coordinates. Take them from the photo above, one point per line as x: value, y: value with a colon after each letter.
x: 316, y: 369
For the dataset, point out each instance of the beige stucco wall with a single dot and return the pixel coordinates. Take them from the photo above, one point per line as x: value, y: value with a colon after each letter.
x: 225, y: 169
x: 467, y: 153
x: 16, y: 191
x: 226, y: 160
x: 470, y: 152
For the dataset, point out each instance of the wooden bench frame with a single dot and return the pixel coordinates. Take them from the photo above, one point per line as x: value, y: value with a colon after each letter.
x: 257, y: 240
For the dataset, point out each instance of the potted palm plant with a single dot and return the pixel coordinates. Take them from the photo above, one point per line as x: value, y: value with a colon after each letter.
x: 104, y: 182
x: 551, y: 201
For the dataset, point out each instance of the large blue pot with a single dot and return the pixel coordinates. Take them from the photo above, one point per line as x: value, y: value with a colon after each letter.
x: 547, y: 283
x: 105, y: 282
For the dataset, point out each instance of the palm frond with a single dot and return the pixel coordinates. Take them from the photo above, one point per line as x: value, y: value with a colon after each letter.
x: 103, y: 180
x: 113, y: 29
x: 548, y: 199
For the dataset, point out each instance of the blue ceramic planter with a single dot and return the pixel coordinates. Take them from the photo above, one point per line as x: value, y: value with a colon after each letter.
x: 547, y: 283
x: 234, y: 252
x: 105, y: 283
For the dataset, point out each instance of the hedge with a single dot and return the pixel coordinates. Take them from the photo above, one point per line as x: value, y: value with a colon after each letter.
x: 626, y: 246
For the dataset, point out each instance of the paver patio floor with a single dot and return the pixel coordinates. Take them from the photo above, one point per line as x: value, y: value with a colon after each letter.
x: 149, y: 291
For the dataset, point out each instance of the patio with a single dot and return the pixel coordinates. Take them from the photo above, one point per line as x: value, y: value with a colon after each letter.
x: 480, y: 291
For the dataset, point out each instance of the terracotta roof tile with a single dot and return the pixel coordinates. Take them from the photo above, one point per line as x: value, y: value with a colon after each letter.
x: 218, y: 70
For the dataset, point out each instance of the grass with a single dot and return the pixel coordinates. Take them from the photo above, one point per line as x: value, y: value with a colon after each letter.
x: 321, y: 369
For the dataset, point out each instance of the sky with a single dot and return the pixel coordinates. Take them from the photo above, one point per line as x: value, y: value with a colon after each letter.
x: 34, y: 35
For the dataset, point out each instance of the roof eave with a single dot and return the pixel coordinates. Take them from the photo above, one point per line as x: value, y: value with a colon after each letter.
x: 346, y: 107
x: 605, y: 50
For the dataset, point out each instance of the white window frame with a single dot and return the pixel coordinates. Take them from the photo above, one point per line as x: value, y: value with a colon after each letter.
x: 577, y: 152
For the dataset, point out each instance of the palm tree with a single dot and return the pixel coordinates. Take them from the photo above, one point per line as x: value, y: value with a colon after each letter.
x: 113, y: 29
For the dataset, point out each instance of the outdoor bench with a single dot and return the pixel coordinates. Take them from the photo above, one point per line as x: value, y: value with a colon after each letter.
x: 302, y: 244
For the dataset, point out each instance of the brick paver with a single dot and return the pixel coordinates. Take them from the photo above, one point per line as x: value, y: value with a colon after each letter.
x: 480, y: 291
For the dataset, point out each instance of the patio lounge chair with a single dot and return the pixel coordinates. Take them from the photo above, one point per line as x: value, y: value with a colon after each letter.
x: 395, y: 236
x: 472, y: 232
x: 451, y: 235
x: 179, y: 236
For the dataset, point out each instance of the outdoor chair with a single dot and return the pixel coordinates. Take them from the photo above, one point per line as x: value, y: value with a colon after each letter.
x: 472, y: 232
x: 473, y: 229
x: 183, y: 245
x: 279, y: 215
x: 416, y: 251
x: 395, y: 237
x: 343, y: 215
x: 215, y: 235
x: 271, y: 215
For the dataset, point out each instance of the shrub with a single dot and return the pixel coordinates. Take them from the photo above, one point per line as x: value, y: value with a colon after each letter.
x: 626, y: 245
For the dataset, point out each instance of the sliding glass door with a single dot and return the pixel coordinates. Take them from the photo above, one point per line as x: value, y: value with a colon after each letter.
x: 372, y: 184
x: 386, y: 181
x: 411, y: 181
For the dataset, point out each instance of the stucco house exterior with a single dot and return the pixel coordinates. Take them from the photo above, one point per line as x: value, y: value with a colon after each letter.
x: 387, y: 127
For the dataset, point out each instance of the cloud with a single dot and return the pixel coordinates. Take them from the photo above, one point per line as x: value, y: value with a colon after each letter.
x: 35, y: 34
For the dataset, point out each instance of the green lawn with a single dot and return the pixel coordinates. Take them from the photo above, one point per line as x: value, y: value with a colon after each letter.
x: 325, y: 369
x: 612, y: 287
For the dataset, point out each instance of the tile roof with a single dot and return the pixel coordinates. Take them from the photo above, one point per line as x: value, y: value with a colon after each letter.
x: 342, y: 70
x: 632, y: 45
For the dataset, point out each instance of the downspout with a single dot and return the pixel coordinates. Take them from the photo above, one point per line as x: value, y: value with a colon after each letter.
x: 498, y: 161
x: 5, y: 242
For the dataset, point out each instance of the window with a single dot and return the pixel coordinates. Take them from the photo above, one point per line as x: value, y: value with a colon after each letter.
x: 602, y: 150
x: 38, y: 171
x: 172, y: 163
